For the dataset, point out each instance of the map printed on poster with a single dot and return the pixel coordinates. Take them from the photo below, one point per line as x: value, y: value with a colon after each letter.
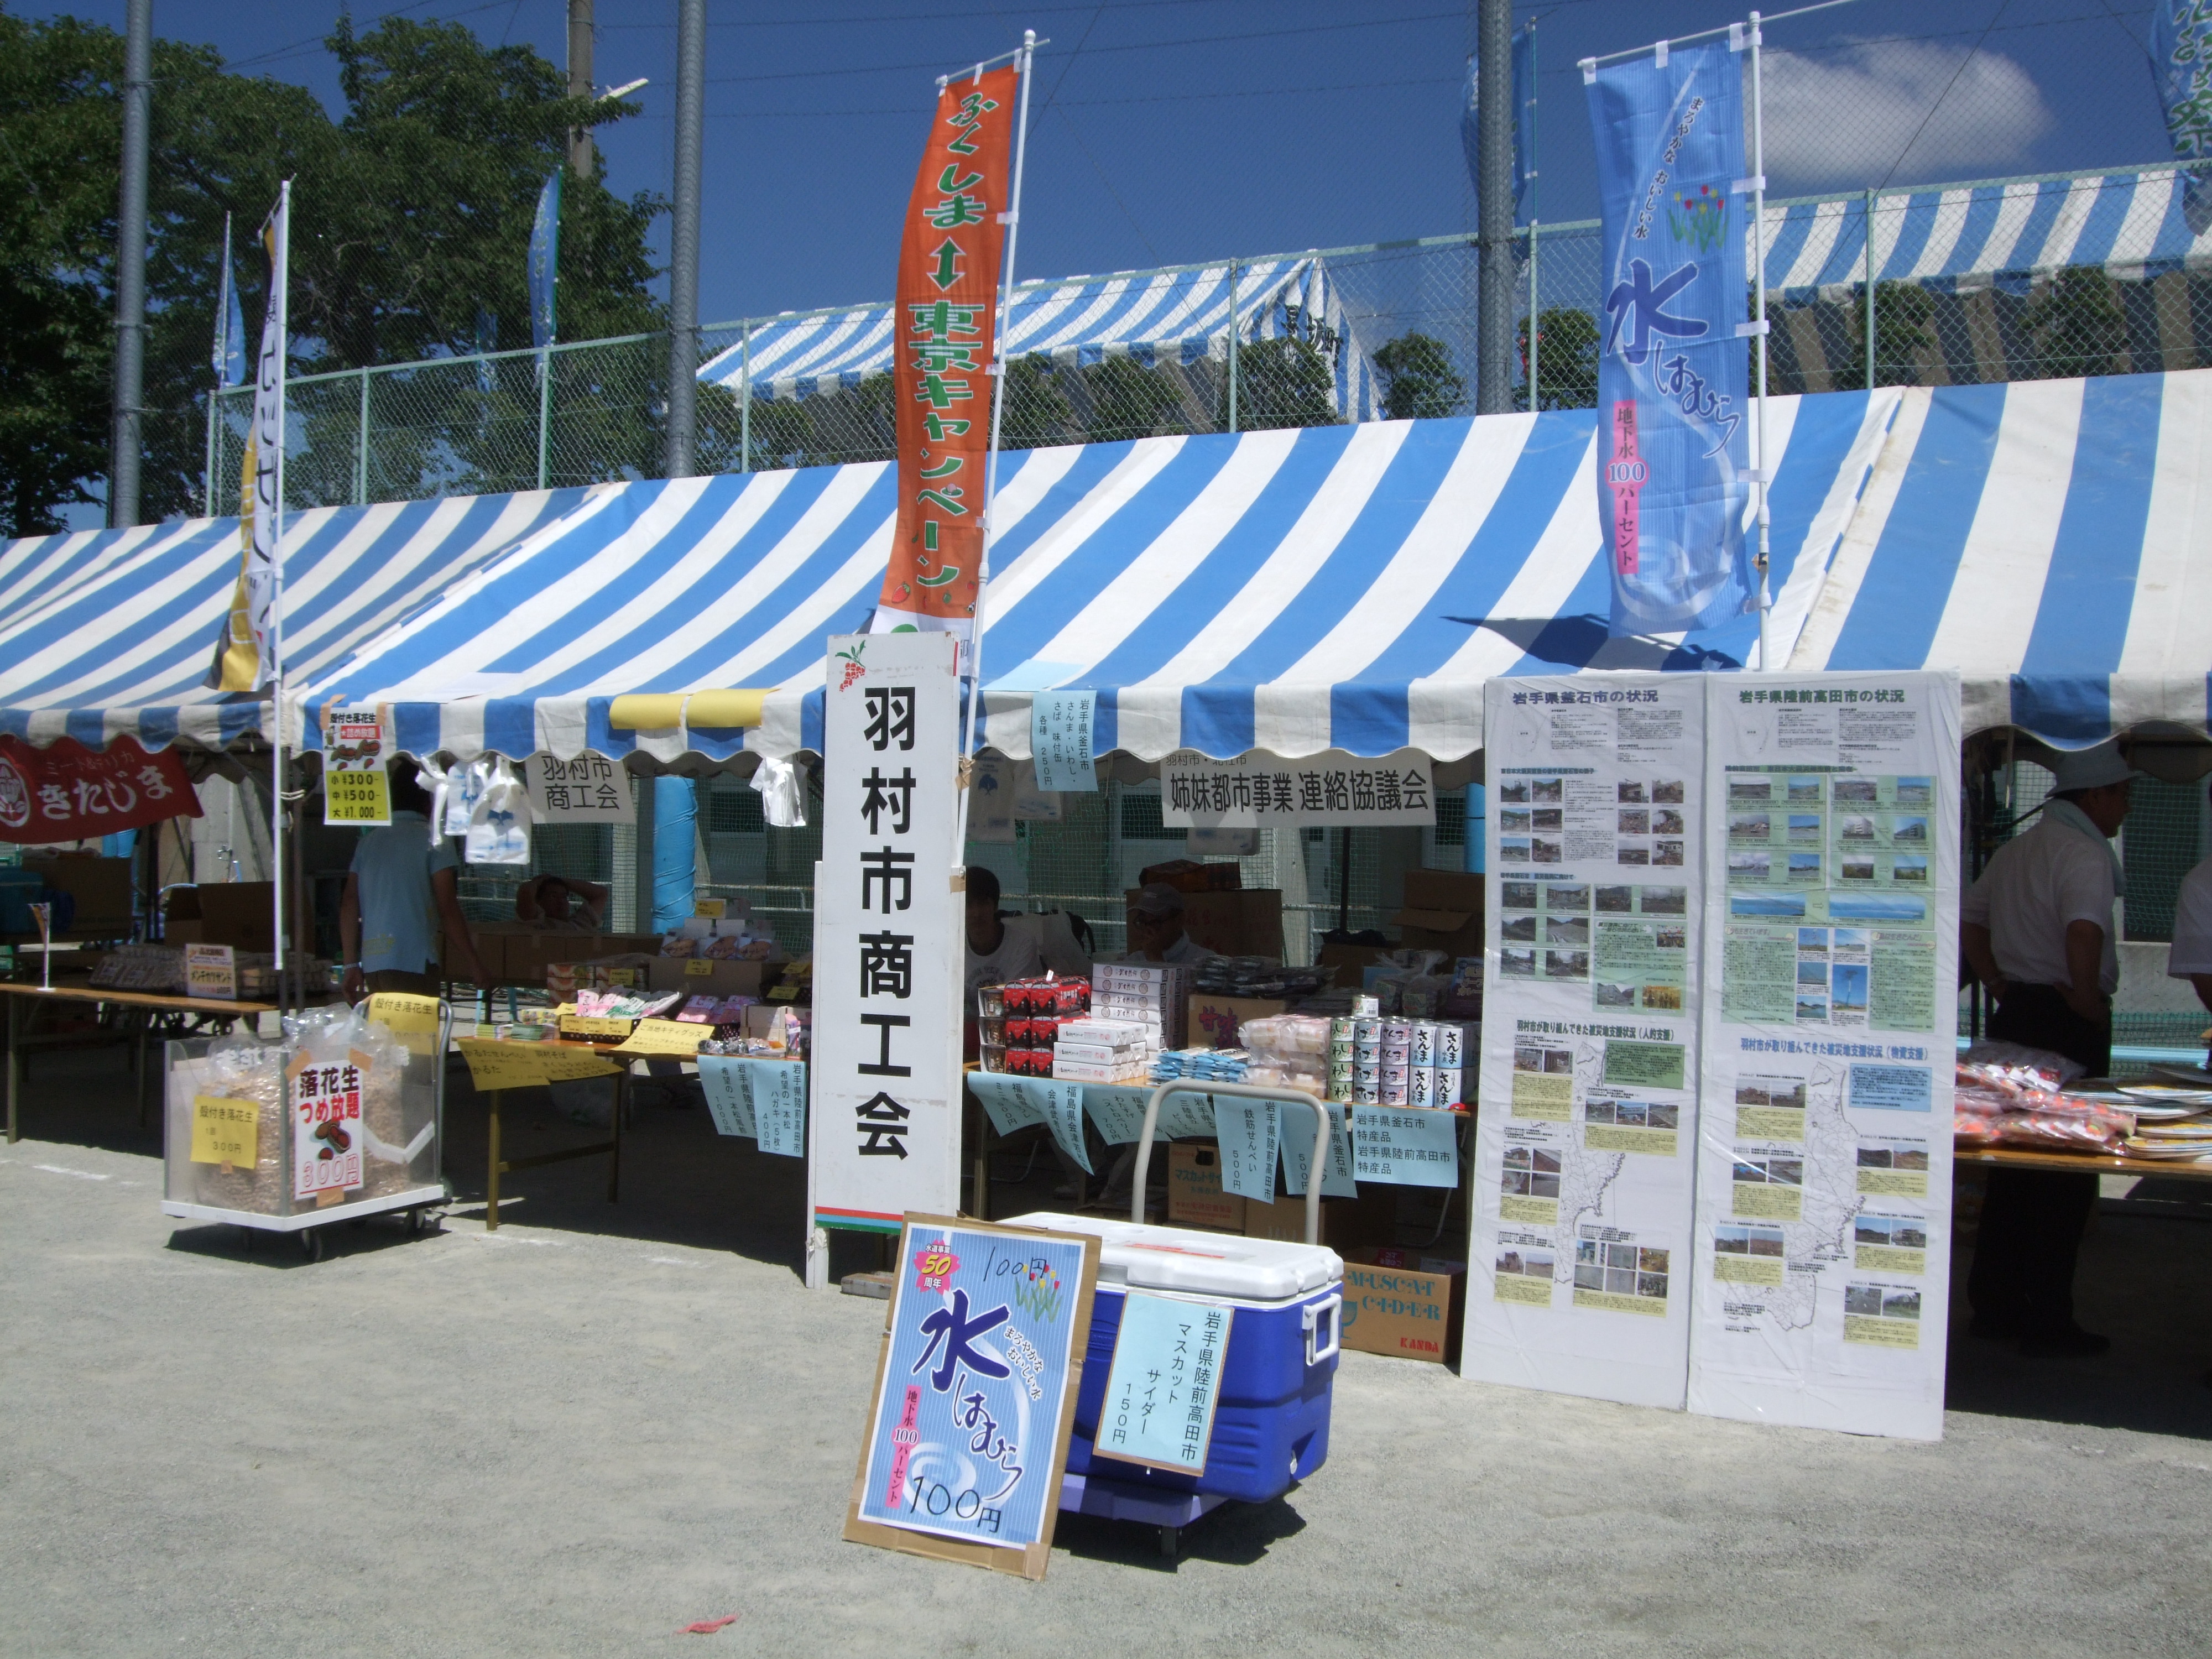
x: 324, y: 1101
x: 968, y: 1435
x: 884, y: 1137
x: 1584, y: 1170
x: 1822, y: 1250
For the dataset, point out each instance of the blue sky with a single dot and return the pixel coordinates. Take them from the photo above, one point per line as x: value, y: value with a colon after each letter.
x: 1167, y: 130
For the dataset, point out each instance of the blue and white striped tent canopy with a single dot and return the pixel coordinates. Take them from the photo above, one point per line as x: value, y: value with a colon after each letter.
x: 111, y: 631
x: 1171, y: 316
x: 2052, y: 539
x: 2003, y: 235
x: 1291, y: 590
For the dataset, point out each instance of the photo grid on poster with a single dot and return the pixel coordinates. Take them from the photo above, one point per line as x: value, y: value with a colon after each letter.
x: 1584, y: 1177
x: 1828, y: 1030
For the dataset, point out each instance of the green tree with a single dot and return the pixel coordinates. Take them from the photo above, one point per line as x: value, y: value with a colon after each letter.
x: 1038, y: 412
x: 1566, y: 364
x: 411, y: 213
x: 1290, y: 380
x: 1417, y: 378
x: 2075, y: 326
x: 1903, y: 318
x: 1131, y: 399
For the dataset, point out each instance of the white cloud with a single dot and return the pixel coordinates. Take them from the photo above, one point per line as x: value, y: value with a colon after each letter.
x: 1846, y: 117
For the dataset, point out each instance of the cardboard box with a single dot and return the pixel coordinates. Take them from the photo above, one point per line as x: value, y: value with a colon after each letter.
x: 1350, y: 960
x: 1249, y: 923
x: 1189, y: 876
x: 1194, y: 1194
x: 1345, y: 1223
x: 101, y: 887
x: 1406, y: 1311
x: 721, y: 979
x: 238, y: 913
x: 1442, y: 912
x: 515, y: 953
x: 1214, y: 1021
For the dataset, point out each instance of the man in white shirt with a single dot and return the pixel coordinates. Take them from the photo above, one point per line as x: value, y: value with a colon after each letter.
x: 2038, y: 931
x: 1005, y: 948
x: 2190, y: 955
x: 1156, y: 931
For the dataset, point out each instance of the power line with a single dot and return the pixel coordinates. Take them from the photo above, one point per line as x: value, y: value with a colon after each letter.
x: 1940, y: 96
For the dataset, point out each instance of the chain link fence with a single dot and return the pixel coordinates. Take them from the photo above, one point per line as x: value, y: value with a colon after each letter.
x: 2013, y: 280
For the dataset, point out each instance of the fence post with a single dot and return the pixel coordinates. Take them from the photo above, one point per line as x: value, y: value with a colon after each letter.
x: 544, y: 411
x: 361, y: 451
x: 1235, y: 329
x: 1535, y: 330
x: 208, y: 475
x: 1869, y: 290
x: 745, y: 395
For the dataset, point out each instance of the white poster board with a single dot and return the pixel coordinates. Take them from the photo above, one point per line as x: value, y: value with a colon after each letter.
x: 1585, y: 1148
x: 1824, y: 1189
x: 883, y: 1135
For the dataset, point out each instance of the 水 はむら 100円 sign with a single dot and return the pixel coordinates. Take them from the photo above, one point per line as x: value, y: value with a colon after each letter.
x: 888, y: 968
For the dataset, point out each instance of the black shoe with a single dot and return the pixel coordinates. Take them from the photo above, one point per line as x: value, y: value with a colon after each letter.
x: 2072, y: 1343
x: 1994, y: 1328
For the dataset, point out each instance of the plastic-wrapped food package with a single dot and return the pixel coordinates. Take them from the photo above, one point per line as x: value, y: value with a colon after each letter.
x: 2071, y: 1126
x: 246, y: 1069
x: 2015, y: 1057
x: 1291, y: 1050
x: 1972, y: 1127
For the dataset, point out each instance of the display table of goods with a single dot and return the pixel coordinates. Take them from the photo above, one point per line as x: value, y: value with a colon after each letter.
x: 339, y: 1119
x: 2031, y: 1110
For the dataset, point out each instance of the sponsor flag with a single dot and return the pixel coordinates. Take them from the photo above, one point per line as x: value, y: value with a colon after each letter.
x: 229, y: 356
x: 2181, y: 60
x: 1672, y: 407
x: 243, y: 660
x: 544, y: 261
x: 946, y: 318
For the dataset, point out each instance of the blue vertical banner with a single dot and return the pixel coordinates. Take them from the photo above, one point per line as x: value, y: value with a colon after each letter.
x: 230, y: 355
x: 2181, y: 60
x: 1674, y: 427
x: 1524, y: 122
x: 544, y: 261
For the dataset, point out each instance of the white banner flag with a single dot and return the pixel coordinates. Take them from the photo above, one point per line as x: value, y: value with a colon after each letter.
x: 244, y: 657
x: 890, y: 936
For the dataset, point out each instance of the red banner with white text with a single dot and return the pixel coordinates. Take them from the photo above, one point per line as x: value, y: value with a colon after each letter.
x: 67, y: 792
x: 947, y: 321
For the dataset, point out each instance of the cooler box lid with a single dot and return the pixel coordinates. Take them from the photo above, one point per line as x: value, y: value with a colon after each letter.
x: 1208, y: 1264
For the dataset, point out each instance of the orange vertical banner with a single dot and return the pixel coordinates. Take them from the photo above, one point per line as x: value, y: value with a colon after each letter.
x: 946, y: 318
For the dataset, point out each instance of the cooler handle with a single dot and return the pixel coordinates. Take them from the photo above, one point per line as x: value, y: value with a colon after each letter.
x: 1333, y: 1305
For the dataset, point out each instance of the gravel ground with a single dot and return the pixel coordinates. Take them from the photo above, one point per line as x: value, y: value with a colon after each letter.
x: 599, y: 1424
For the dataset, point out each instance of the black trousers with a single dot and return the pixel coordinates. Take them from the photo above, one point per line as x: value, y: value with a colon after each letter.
x: 2032, y: 1220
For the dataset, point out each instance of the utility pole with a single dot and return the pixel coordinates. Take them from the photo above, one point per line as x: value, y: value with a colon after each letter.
x: 579, y: 83
x: 1494, y: 328
x: 683, y: 238
x: 126, y: 445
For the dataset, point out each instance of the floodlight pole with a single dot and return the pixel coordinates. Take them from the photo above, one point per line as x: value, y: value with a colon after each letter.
x: 1493, y: 392
x: 126, y: 436
x: 683, y: 241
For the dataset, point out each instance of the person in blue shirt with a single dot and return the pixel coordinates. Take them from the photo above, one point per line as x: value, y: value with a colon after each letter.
x: 403, y: 885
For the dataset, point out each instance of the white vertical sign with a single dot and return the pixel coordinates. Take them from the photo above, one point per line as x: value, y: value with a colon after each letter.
x: 1831, y: 1012
x: 889, y: 934
x: 1585, y: 1148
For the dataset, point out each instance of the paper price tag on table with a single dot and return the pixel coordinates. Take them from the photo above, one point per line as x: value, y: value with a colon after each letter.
x: 225, y: 1131
x: 1405, y: 1146
x: 664, y: 1037
x: 1298, y: 1128
x: 594, y: 1025
x: 1015, y: 1102
x: 699, y: 968
x: 412, y: 1019
x: 1163, y: 1381
x: 211, y: 970
x: 496, y: 1065
x: 763, y: 1100
x: 1250, y: 1132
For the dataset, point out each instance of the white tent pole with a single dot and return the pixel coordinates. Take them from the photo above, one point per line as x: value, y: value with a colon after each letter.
x: 1013, y: 219
x: 283, y: 284
x: 1759, y: 328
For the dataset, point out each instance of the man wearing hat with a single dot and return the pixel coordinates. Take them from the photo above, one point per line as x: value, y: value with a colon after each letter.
x: 2036, y: 930
x: 1156, y: 931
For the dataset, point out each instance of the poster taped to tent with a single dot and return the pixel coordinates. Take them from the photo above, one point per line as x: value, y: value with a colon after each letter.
x: 1584, y: 1175
x: 1824, y: 1186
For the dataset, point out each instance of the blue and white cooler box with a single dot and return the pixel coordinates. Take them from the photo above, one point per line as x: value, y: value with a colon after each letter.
x: 1274, y: 1379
